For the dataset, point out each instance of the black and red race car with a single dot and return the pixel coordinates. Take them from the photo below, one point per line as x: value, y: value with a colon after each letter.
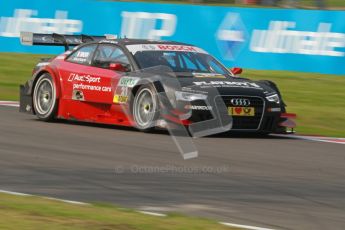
x: 145, y: 84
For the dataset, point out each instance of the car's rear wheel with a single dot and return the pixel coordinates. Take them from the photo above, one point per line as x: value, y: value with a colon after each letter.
x: 44, y: 98
x: 145, y: 108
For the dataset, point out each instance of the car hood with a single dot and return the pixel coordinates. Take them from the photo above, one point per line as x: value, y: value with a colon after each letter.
x: 226, y: 86
x: 206, y: 83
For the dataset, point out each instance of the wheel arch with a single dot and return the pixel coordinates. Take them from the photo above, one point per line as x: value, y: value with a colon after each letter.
x: 158, y: 86
x: 55, y: 80
x: 275, y: 87
x: 271, y: 84
x: 154, y: 87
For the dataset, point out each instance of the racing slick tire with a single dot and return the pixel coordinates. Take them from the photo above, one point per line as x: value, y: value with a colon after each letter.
x: 145, y: 108
x: 44, y: 98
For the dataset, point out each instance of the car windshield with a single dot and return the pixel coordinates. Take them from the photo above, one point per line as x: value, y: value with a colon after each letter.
x: 180, y: 61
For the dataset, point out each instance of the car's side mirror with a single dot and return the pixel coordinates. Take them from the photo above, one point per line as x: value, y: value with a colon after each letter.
x: 117, y: 67
x: 236, y: 70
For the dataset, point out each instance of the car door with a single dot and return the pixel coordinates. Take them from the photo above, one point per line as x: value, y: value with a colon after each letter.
x: 86, y: 76
x: 78, y: 82
x: 105, y: 55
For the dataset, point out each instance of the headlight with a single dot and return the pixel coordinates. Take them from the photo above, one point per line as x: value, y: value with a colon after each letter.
x: 273, y: 98
x: 184, y: 96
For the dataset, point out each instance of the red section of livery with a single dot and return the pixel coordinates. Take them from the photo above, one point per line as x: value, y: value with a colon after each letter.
x: 101, y: 81
x: 98, y: 86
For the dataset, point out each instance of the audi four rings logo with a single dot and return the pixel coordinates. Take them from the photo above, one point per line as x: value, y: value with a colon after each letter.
x: 240, y: 102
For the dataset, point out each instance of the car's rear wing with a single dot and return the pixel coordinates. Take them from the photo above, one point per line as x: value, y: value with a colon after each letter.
x: 29, y: 38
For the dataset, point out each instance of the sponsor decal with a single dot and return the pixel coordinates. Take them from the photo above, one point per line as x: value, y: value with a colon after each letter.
x: 84, y: 78
x: 147, y: 25
x: 24, y: 20
x: 206, y: 75
x: 108, y: 41
x: 176, y: 48
x: 281, y: 38
x: 241, y: 111
x: 122, y: 89
x: 91, y: 87
x: 86, y: 82
x: 164, y: 47
x: 81, y: 56
x: 243, y: 84
x: 120, y: 99
x: 128, y: 81
x: 198, y: 107
x: 231, y: 36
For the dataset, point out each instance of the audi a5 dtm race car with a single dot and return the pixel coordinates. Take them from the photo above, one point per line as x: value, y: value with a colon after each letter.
x: 145, y: 83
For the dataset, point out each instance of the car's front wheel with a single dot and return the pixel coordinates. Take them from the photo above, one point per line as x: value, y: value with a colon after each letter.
x: 44, y: 98
x: 145, y: 108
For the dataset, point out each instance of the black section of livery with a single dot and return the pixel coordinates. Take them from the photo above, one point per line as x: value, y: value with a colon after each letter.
x: 267, y: 115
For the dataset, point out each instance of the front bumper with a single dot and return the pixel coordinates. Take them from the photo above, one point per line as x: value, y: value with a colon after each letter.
x: 268, y: 118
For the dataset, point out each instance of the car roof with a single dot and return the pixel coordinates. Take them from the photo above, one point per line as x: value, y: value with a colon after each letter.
x: 132, y: 41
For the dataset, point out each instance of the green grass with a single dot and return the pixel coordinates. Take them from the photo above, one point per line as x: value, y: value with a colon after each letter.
x: 329, y: 3
x: 26, y: 213
x: 319, y: 100
x: 15, y: 69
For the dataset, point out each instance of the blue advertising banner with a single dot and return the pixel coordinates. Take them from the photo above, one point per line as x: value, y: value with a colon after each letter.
x: 268, y: 39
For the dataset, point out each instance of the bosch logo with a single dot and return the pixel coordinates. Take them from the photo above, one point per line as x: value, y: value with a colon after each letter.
x: 240, y: 102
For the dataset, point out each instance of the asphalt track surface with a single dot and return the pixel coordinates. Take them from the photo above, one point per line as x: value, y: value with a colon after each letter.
x: 273, y: 182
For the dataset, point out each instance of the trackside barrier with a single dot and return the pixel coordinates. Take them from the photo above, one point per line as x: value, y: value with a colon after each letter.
x: 270, y: 39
